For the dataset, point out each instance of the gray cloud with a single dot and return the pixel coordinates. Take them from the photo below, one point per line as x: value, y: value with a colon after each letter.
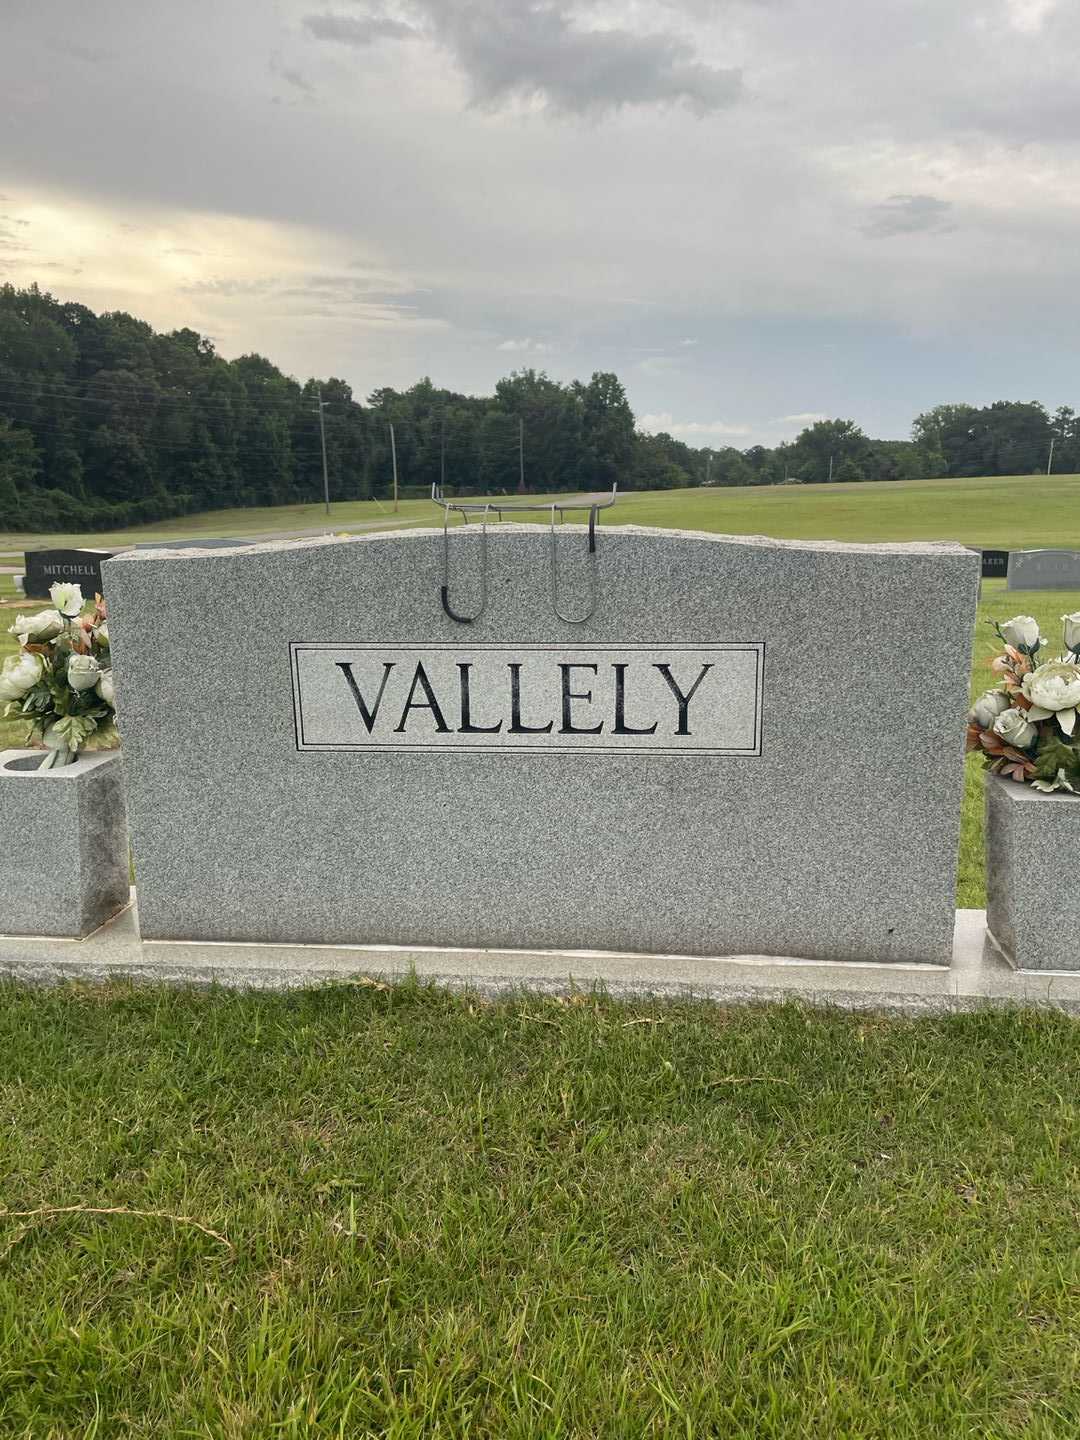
x: 296, y: 80
x: 535, y: 50
x: 909, y: 215
x: 10, y: 239
x: 357, y: 32
x: 538, y: 50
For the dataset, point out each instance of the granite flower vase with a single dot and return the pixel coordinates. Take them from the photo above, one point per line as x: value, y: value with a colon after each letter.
x: 1032, y: 858
x: 64, y: 861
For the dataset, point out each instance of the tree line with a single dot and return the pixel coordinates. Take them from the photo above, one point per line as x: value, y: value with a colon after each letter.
x: 105, y: 423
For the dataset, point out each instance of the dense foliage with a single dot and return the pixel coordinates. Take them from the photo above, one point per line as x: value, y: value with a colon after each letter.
x: 105, y: 423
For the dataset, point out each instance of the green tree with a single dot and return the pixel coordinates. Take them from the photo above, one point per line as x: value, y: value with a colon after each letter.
x: 826, y: 447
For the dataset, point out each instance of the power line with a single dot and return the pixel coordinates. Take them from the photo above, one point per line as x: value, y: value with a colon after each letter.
x: 284, y: 406
x: 148, y: 442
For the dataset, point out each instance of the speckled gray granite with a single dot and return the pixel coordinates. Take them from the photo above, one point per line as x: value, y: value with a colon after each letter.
x: 1033, y: 875
x: 1044, y: 570
x: 837, y: 841
x: 978, y: 975
x: 64, y: 865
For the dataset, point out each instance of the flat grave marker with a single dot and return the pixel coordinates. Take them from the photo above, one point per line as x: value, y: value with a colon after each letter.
x: 1044, y: 570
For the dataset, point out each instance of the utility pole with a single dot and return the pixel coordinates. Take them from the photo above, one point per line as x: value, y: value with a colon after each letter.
x: 521, y: 456
x: 830, y: 469
x: 442, y: 456
x: 708, y: 467
x: 1050, y: 462
x: 393, y: 458
x: 320, y: 406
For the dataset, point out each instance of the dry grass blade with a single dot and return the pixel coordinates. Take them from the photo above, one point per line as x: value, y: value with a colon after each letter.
x: 49, y: 1212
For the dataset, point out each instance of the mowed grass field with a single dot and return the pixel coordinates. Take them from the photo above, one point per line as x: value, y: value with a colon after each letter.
x: 999, y: 512
x: 370, y: 1212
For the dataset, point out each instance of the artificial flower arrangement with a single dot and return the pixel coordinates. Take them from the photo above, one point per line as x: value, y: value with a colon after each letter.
x: 61, y: 679
x: 1027, y: 727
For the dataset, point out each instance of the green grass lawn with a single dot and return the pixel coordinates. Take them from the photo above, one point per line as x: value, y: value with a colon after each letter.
x: 1006, y: 512
x: 440, y: 1217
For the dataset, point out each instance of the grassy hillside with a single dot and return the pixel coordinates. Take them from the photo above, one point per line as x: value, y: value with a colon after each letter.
x: 1006, y: 512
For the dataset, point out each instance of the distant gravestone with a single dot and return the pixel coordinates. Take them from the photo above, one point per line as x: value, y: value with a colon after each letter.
x: 717, y: 762
x: 79, y: 567
x: 1044, y: 570
x: 995, y: 564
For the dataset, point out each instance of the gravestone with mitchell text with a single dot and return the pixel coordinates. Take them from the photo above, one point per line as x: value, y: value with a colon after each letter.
x: 78, y: 567
x: 752, y: 746
x: 1044, y: 570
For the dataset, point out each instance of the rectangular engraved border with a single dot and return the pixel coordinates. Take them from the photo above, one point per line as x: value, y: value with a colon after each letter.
x: 757, y: 647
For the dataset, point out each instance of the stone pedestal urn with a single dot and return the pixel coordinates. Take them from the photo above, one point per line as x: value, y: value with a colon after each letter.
x: 63, y: 844
x: 1033, y: 875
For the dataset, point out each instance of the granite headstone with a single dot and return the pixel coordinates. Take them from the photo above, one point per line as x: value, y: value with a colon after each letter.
x: 752, y: 746
x: 79, y: 567
x: 1044, y: 570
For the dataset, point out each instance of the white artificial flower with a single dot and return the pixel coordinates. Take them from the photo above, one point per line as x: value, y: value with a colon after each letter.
x: 101, y: 634
x: 67, y: 598
x: 1060, y: 782
x: 34, y: 629
x: 1054, y: 689
x: 83, y: 672
x: 987, y: 708
x: 1013, y: 727
x: 20, y: 673
x: 1072, y: 631
x: 104, y: 688
x: 1021, y: 632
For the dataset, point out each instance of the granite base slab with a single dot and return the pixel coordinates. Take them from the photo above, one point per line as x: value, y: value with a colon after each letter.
x: 978, y: 975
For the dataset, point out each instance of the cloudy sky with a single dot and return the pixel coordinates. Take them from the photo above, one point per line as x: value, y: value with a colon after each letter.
x: 756, y: 211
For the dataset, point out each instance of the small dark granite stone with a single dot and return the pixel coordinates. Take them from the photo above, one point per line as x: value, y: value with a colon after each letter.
x: 76, y: 567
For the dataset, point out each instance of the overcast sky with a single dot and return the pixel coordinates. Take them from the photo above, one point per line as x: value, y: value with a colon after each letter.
x: 756, y: 211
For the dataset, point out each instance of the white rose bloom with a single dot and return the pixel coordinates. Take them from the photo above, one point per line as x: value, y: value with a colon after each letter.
x: 83, y: 672
x: 101, y: 634
x: 20, y: 673
x: 1022, y: 632
x: 1054, y: 689
x: 1072, y: 631
x: 33, y: 629
x: 987, y: 708
x: 104, y: 688
x: 1014, y: 728
x: 68, y: 599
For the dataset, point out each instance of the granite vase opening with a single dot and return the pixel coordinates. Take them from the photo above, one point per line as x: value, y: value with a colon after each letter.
x: 1033, y: 900
x: 43, y: 760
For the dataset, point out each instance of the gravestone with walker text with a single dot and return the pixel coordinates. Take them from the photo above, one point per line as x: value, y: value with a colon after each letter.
x: 651, y: 741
